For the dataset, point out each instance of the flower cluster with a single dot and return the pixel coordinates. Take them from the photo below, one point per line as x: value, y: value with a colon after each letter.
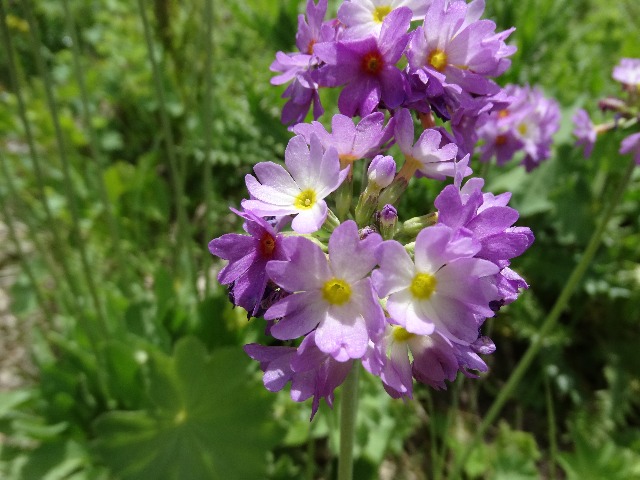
x: 627, y: 112
x: 451, y: 59
x: 526, y: 124
x: 337, y: 277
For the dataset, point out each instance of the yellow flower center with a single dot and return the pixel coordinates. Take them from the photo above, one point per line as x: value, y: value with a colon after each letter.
x: 438, y: 60
x: 423, y: 285
x: 305, y: 199
x: 522, y: 128
x: 380, y: 13
x: 400, y: 334
x: 336, y: 291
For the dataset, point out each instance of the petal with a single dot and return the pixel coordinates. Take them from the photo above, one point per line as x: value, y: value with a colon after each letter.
x: 396, y: 268
x: 342, y: 334
x: 309, y: 221
x: 350, y: 257
x: 300, y: 313
x: 306, y: 269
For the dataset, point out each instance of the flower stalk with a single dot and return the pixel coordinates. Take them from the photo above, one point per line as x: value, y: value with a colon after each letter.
x: 552, y: 318
x: 348, y: 411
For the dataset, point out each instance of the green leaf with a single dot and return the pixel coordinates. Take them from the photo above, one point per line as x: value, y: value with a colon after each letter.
x: 211, y: 421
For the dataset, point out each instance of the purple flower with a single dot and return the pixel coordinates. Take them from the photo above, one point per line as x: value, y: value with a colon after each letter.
x: 527, y: 124
x: 367, y: 67
x: 303, y: 91
x: 248, y: 256
x: 627, y: 72
x: 352, y: 142
x: 311, y: 372
x: 300, y: 191
x: 332, y: 295
x: 442, y: 288
x: 455, y: 43
x: 584, y: 131
x: 433, y: 361
x: 490, y: 222
x: 381, y: 171
x: 631, y: 144
x: 364, y: 17
x: 426, y: 156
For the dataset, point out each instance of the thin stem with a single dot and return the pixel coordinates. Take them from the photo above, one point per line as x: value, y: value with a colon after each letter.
x: 184, y: 229
x: 14, y: 237
x: 551, y: 422
x: 553, y: 316
x: 207, y: 129
x: 93, y: 138
x: 348, y: 411
x: 433, y: 434
x: 457, y: 387
x: 57, y: 244
x: 66, y: 171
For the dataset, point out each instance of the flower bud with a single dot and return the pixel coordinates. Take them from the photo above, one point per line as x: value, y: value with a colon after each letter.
x: 381, y: 172
x: 387, y: 220
x: 413, y: 226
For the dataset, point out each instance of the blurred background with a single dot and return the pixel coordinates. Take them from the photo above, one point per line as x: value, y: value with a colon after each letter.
x: 126, y: 129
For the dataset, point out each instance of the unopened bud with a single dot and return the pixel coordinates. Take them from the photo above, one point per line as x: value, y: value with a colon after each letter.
x: 412, y: 227
x: 366, y: 207
x: 366, y: 231
x: 381, y: 172
x: 387, y: 220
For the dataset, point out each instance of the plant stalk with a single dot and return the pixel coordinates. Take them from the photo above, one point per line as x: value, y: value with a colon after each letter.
x: 177, y: 180
x: 348, y: 411
x: 549, y: 323
x: 57, y: 243
x: 66, y: 172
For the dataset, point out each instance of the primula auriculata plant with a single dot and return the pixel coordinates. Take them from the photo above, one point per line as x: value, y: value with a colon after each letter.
x: 338, y: 271
x: 627, y: 112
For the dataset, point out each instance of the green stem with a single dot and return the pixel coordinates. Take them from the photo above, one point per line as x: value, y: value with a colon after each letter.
x: 8, y: 219
x: 66, y: 172
x: 56, y: 244
x: 433, y: 434
x: 208, y: 131
x: 348, y: 411
x: 457, y: 387
x: 184, y: 229
x: 551, y: 421
x: 93, y: 140
x: 561, y: 303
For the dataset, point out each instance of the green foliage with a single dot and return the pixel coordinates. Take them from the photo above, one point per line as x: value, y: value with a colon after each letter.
x: 124, y: 389
x: 206, y: 421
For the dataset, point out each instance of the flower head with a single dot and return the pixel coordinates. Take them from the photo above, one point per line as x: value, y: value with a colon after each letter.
x: 631, y: 144
x: 442, y: 288
x: 528, y: 124
x: 352, y: 142
x: 298, y: 66
x: 455, y: 43
x: 312, y: 175
x: 312, y: 373
x: 426, y: 156
x: 248, y: 256
x: 364, y: 17
x: 627, y: 72
x: 367, y: 67
x: 490, y: 222
x: 584, y: 131
x: 333, y: 295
